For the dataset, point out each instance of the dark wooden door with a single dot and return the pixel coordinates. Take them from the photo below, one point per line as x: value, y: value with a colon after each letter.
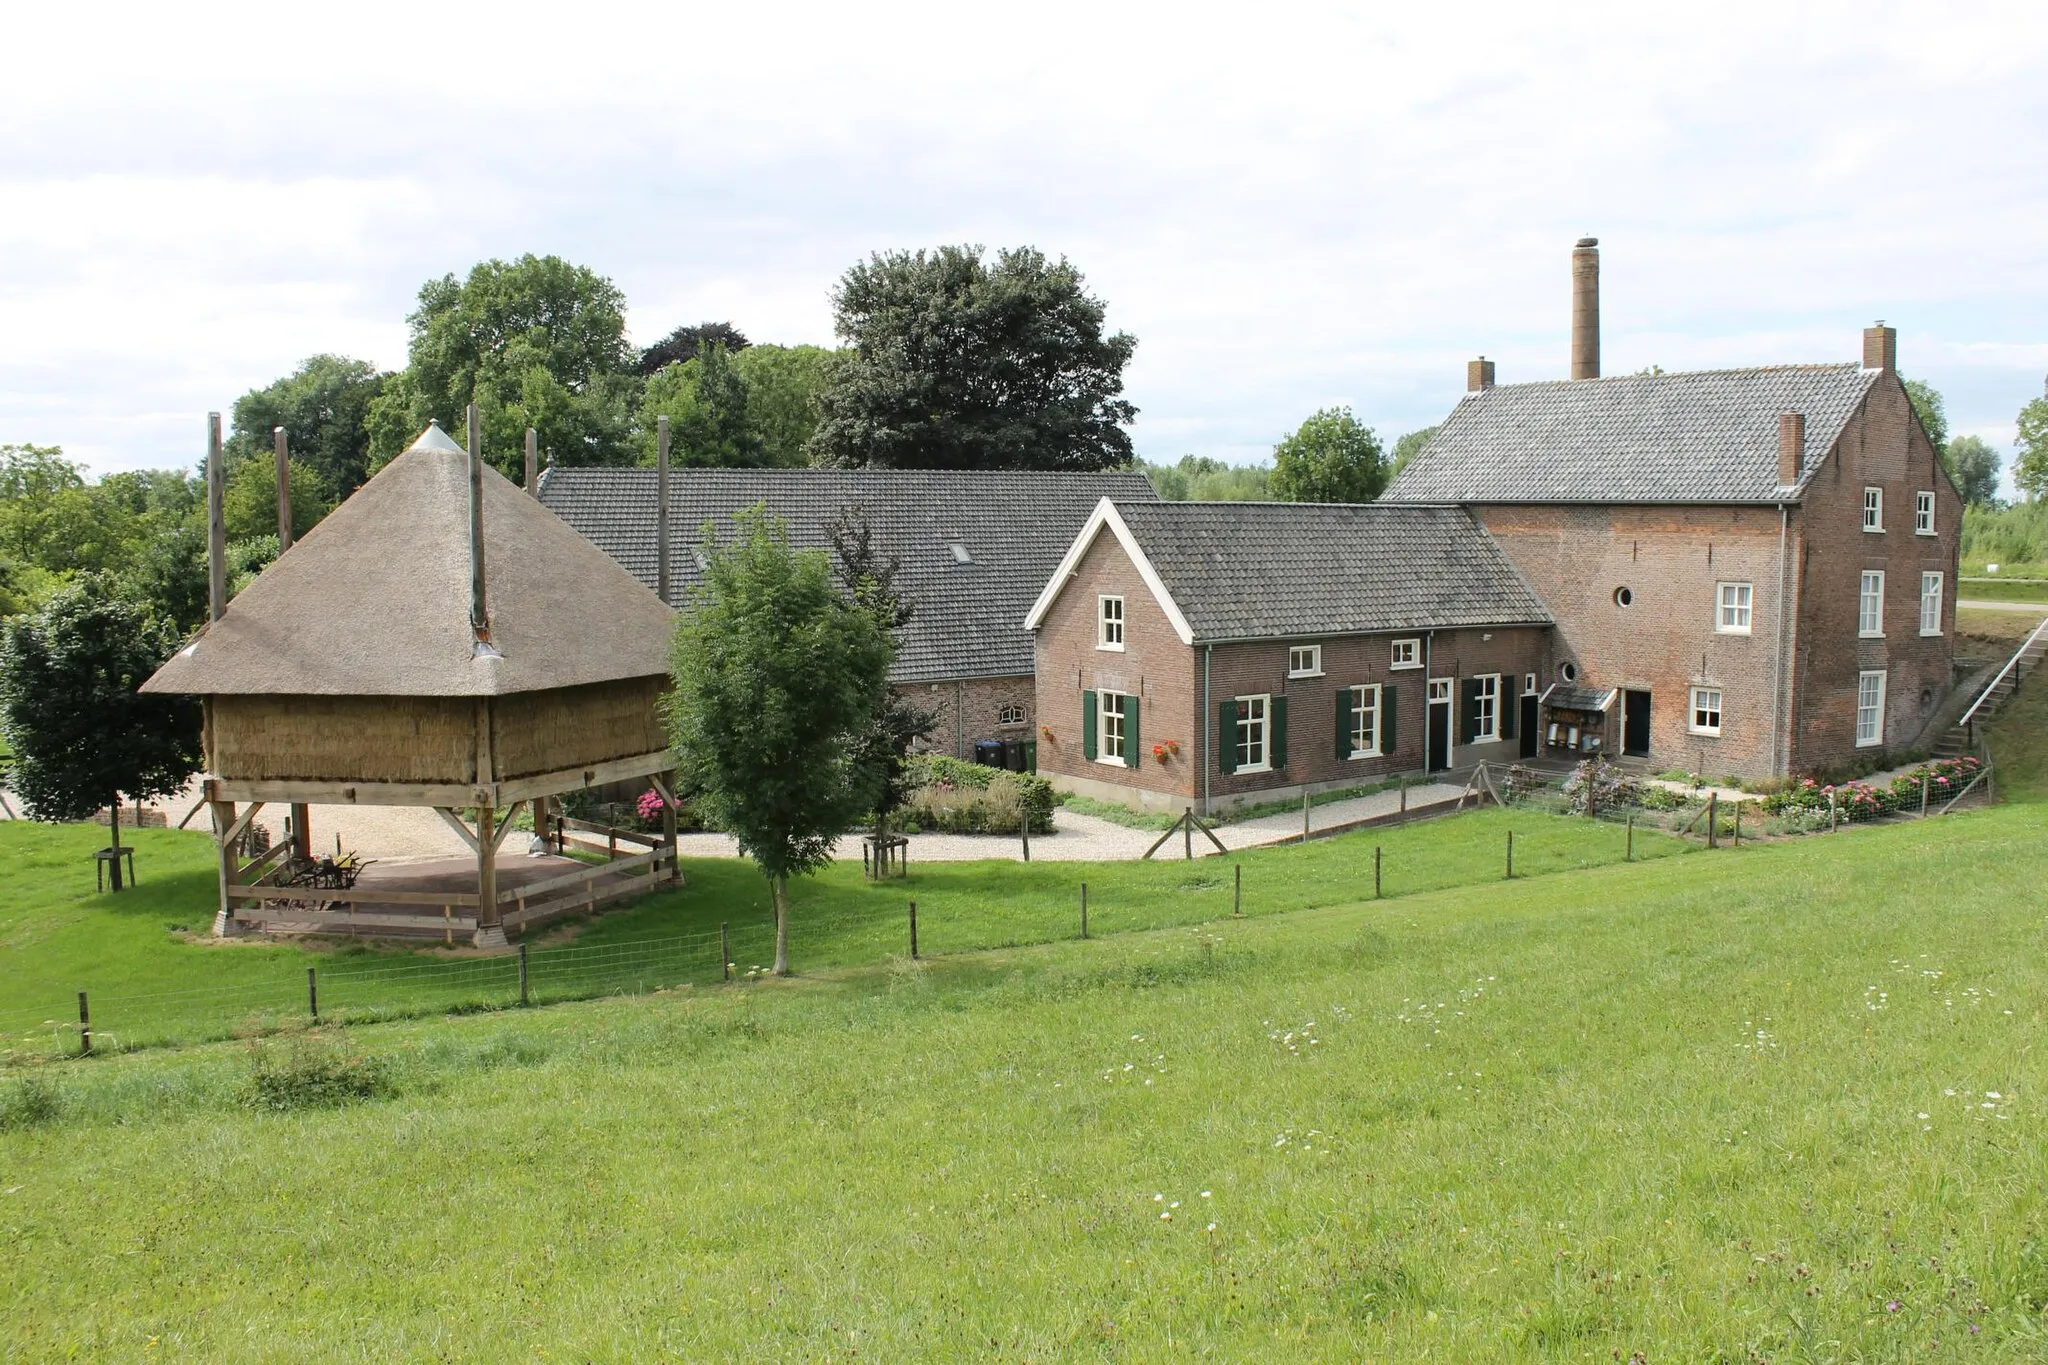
x: 1439, y: 757
x: 1530, y: 739
x: 1635, y: 724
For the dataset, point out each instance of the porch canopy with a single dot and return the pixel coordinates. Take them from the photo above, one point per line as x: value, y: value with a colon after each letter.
x: 439, y: 640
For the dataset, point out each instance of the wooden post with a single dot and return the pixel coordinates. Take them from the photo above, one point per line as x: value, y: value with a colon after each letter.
x: 1237, y: 890
x: 1024, y: 827
x: 913, y: 931
x: 1187, y: 834
x: 490, y: 931
x: 725, y: 949
x: 1304, y: 813
x: 1084, y: 909
x: 84, y: 1027
x: 661, y: 574
x: 1738, y: 824
x: 667, y: 787
x: 524, y: 998
x: 313, y: 993
x: 1925, y: 780
x: 1404, y: 793
x: 1831, y: 813
x: 1713, y: 819
x: 114, y: 834
x: 223, y: 838
x: 1511, y: 855
x: 1375, y: 871
x: 1629, y: 851
x: 479, y: 608
x: 216, y: 524
x: 532, y: 463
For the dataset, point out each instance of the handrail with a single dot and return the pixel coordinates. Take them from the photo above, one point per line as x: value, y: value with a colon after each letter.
x: 2010, y: 664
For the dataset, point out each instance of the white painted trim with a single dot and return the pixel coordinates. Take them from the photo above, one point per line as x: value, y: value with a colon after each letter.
x: 1105, y: 514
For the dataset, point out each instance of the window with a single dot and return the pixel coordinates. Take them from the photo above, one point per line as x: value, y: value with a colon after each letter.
x: 1623, y: 597
x: 1732, y: 617
x: 1407, y: 654
x: 1706, y: 711
x: 1873, y: 509
x: 959, y: 549
x: 1869, y: 709
x: 1112, y: 728
x: 1485, y: 708
x: 1923, y: 513
x: 1568, y: 672
x: 1254, y: 734
x: 1010, y: 715
x: 1305, y: 661
x: 1870, y: 606
x: 1109, y: 623
x: 1528, y: 684
x: 1930, y: 604
x: 1365, y: 721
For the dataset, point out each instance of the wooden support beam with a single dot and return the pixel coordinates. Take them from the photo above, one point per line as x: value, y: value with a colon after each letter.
x: 490, y: 930
x: 216, y: 524
x: 284, y: 489
x: 457, y: 794
x: 455, y: 823
x: 224, y: 856
x: 505, y: 822
x: 596, y: 775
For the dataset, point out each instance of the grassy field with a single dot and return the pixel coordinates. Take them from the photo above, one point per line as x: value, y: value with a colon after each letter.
x: 154, y: 975
x: 1775, y: 1104
x: 2003, y: 590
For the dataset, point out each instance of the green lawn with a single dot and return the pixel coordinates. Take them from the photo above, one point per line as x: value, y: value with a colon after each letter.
x: 1781, y: 1103
x: 153, y: 975
x: 2003, y: 590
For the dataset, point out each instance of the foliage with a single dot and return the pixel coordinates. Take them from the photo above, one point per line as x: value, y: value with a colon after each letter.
x: 897, y: 723
x: 312, y: 1072
x: 705, y: 401
x: 1331, y: 457
x: 2030, y: 467
x: 1202, y: 478
x: 324, y: 407
x: 775, y: 675
x: 535, y: 342
x: 249, y: 497
x: 685, y: 343
x: 956, y: 363
x: 1944, y: 779
x: 951, y: 797
x: 783, y: 384
x: 1597, y: 785
x: 1972, y: 463
x: 1407, y: 448
x: 1932, y: 412
x: 82, y: 735
x: 2009, y: 537
x: 31, y: 1102
x: 51, y: 518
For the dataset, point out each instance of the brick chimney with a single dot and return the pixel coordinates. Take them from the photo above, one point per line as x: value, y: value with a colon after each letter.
x: 1478, y: 375
x: 1881, y: 347
x: 1586, y: 309
x: 1791, y: 447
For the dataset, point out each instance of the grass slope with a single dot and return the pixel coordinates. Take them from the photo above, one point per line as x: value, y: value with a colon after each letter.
x: 1776, y: 1104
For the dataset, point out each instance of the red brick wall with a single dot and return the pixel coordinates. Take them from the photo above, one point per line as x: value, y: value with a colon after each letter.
x: 1884, y: 447
x: 972, y: 709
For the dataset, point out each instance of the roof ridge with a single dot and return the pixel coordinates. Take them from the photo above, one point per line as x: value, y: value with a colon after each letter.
x: 1846, y: 366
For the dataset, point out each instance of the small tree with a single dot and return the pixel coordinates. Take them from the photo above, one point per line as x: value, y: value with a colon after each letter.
x: 2030, y: 465
x: 82, y: 735
x: 1973, y: 463
x: 776, y: 673
x: 1332, y: 458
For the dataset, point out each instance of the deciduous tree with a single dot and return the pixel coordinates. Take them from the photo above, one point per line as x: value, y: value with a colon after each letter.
x: 2030, y: 464
x: 1932, y: 411
x: 687, y: 343
x: 324, y: 407
x: 1331, y: 457
x: 1973, y: 463
x: 707, y: 405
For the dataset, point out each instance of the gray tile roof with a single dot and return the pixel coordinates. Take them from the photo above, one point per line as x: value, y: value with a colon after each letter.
x: 969, y: 617
x: 1258, y: 570
x: 1704, y: 437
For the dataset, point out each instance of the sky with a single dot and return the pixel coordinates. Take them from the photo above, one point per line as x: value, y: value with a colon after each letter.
x: 1289, y: 208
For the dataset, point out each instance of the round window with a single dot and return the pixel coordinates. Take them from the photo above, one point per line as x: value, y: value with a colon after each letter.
x: 1568, y: 671
x: 1622, y: 597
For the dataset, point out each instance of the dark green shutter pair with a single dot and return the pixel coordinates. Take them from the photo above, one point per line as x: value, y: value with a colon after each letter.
x: 1509, y: 707
x: 1226, y: 735
x: 1277, y: 747
x: 1088, y: 726
x: 1347, y: 714
x: 1089, y: 743
x: 1387, y: 730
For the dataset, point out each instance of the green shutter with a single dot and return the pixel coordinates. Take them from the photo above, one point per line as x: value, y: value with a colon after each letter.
x: 1468, y: 728
x: 1279, y: 744
x: 1088, y: 725
x: 1226, y: 737
x: 1345, y: 712
x: 1134, y: 752
x: 1387, y: 740
x: 1510, y: 707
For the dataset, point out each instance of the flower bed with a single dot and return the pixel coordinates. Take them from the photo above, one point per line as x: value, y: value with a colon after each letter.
x: 1942, y: 780
x: 951, y: 797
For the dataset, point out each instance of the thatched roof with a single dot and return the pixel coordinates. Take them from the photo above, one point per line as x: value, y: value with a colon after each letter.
x: 375, y: 600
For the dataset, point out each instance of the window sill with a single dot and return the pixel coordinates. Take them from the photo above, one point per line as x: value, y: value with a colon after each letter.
x: 1112, y: 763
x: 1485, y: 739
x: 1932, y: 634
x: 1929, y: 534
x: 1870, y: 635
x: 1366, y: 753
x: 1703, y: 734
x: 1252, y: 768
x: 1110, y: 649
x: 1869, y: 743
x: 1317, y: 674
x: 1402, y: 668
x: 1873, y: 530
x: 1734, y: 630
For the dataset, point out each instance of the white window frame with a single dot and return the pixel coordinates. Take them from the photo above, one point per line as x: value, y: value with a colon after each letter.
x: 1923, y: 512
x: 1365, y: 703
x: 1873, y: 509
x: 1407, y: 653
x: 1875, y: 708
x: 1528, y: 684
x: 1870, y: 606
x: 1930, y: 596
x: 1254, y: 732
x: 1109, y: 626
x: 1105, y: 713
x: 1696, y: 704
x: 1488, y: 731
x: 1734, y: 608
x: 1297, y: 667
x: 1012, y: 714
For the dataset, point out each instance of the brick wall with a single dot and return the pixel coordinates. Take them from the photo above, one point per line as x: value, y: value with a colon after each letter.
x: 1671, y: 560
x: 973, y: 708
x: 1884, y: 447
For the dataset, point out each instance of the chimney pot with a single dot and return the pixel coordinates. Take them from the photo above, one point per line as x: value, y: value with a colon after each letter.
x: 1586, y: 308
x: 1791, y: 447
x: 1881, y: 347
x: 1478, y: 375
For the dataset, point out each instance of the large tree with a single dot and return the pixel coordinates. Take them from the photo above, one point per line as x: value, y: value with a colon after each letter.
x: 1973, y: 462
x: 535, y: 342
x: 687, y: 343
x: 776, y: 673
x: 249, y: 501
x: 2030, y: 462
x: 783, y: 384
x: 1332, y: 457
x: 1932, y: 411
x: 83, y: 737
x: 954, y: 362
x: 1407, y: 448
x: 324, y: 407
x: 707, y: 404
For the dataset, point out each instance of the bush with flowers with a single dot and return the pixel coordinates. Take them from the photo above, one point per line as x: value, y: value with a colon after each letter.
x: 1942, y: 780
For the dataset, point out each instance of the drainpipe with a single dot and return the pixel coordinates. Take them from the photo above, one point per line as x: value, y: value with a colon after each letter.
x: 1428, y: 706
x: 1208, y: 719
x: 959, y: 719
x: 1781, y: 738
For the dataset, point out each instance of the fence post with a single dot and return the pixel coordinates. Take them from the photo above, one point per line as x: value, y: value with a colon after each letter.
x: 1713, y: 819
x: 1084, y: 909
x: 1511, y: 855
x: 1738, y: 824
x: 1304, y: 813
x: 913, y: 931
x: 1237, y: 890
x: 1832, y: 826
x: 524, y: 998
x: 1375, y: 871
x: 1629, y: 854
x: 1404, y: 793
x: 1925, y: 779
x: 1187, y: 834
x: 313, y: 993
x: 84, y: 1027
x: 1024, y: 827
x: 725, y: 950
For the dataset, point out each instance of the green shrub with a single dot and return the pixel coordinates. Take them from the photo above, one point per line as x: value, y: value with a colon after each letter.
x: 30, y: 1102
x: 951, y: 797
x: 312, y: 1073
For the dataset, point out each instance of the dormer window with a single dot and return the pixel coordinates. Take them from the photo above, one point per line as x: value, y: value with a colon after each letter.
x: 959, y: 552
x: 1109, y: 622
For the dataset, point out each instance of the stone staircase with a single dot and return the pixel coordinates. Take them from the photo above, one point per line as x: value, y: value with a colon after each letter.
x: 1962, y: 737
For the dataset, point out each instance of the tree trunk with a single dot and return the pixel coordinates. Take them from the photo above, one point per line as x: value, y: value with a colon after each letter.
x: 881, y: 833
x: 778, y: 887
x: 114, y: 824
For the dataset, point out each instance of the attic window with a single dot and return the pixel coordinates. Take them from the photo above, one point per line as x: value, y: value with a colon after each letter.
x: 703, y: 560
x: 959, y: 549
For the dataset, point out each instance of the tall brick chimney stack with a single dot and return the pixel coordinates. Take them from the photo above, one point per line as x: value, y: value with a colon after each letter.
x: 1791, y: 447
x: 1478, y: 375
x: 1586, y: 309
x: 1881, y: 347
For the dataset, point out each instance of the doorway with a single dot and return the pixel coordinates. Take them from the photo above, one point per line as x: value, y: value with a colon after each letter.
x: 1635, y: 724
x: 1439, y: 756
x: 1530, y: 739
